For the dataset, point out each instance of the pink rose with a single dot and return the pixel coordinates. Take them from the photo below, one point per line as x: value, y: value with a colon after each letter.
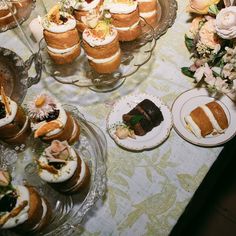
x: 195, y: 26
x: 208, y: 35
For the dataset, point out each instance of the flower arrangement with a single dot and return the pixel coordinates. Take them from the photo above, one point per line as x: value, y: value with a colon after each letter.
x: 211, y: 41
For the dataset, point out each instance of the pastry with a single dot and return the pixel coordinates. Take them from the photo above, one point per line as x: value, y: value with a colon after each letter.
x: 86, y: 13
x: 63, y: 168
x: 61, y: 36
x: 21, y: 207
x: 148, y: 11
x: 143, y: 117
x: 207, y: 119
x: 14, y: 124
x: 102, y: 47
x: 21, y: 9
x: 125, y: 18
x: 50, y: 121
x: 6, y: 17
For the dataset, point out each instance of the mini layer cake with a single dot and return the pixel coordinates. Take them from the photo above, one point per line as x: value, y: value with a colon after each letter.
x: 21, y: 207
x: 50, y: 121
x: 61, y: 36
x: 14, y: 124
x: 125, y: 18
x: 207, y: 119
x: 63, y: 168
x: 86, y: 13
x: 148, y: 11
x: 6, y: 17
x: 143, y: 117
x: 102, y: 47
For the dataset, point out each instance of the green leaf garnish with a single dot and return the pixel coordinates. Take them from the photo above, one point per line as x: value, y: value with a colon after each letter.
x: 135, y: 119
x: 189, y: 43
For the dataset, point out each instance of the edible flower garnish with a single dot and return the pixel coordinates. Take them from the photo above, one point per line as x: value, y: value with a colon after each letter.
x: 123, y: 132
x: 101, y: 30
x: 5, y: 101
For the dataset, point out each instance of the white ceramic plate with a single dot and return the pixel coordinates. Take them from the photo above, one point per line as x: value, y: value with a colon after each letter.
x: 150, y: 140
x: 191, y: 99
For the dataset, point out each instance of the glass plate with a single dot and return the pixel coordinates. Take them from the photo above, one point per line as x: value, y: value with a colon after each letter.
x: 22, y: 15
x: 68, y: 211
x: 135, y: 55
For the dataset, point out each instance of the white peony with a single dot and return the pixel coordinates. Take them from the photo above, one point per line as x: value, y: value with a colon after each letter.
x: 226, y: 23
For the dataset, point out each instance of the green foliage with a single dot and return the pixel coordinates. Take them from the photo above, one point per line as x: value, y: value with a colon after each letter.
x: 135, y: 119
x: 189, y: 43
x: 186, y: 71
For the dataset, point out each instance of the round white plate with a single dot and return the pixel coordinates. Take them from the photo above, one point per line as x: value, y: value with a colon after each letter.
x: 188, y: 101
x: 150, y: 140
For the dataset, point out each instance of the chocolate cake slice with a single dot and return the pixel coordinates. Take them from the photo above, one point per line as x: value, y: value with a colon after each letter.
x: 143, y: 117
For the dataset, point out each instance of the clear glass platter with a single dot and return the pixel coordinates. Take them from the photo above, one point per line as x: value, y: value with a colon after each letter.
x: 135, y: 55
x: 68, y: 211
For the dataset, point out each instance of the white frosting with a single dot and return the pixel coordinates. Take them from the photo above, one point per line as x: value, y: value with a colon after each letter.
x: 81, y: 177
x: 121, y: 8
x: 212, y: 119
x: 128, y: 28
x: 104, y: 60
x: 65, y: 173
x: 84, y: 6
x: 93, y: 41
x: 194, y: 127
x: 62, y: 51
x: 147, y: 14
x: 23, y: 195
x: 9, y: 118
x: 4, y: 6
x: 62, y: 118
x: 59, y: 28
x: 45, y: 209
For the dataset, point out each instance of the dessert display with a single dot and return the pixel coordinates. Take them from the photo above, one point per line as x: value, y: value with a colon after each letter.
x: 21, y: 207
x: 14, y: 123
x: 125, y: 18
x: 62, y: 167
x: 143, y: 117
x: 102, y: 47
x: 20, y: 9
x: 61, y: 36
x: 50, y: 121
x: 207, y: 119
x: 86, y: 13
x: 148, y: 10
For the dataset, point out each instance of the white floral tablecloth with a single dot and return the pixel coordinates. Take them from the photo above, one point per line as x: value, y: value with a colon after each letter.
x: 146, y: 191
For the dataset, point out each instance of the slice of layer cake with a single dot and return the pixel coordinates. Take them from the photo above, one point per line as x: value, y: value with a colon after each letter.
x: 143, y: 117
x: 207, y: 119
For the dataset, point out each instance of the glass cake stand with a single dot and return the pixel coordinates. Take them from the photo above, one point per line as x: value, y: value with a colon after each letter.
x: 68, y: 211
x: 135, y: 54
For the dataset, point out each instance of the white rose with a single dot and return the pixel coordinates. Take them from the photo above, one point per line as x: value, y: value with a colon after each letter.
x: 226, y: 23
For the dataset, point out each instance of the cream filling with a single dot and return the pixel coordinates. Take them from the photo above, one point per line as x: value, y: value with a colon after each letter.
x: 104, y: 60
x: 9, y: 118
x: 62, y: 51
x: 92, y: 41
x: 121, y: 8
x: 45, y: 209
x: 212, y: 119
x: 193, y: 126
x: 65, y: 173
x: 4, y: 6
x: 147, y: 14
x: 23, y: 195
x: 84, y: 6
x: 62, y: 118
x: 59, y: 28
x: 81, y: 176
x: 128, y: 28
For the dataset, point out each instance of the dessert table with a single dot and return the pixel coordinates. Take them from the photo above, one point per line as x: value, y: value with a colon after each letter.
x: 146, y: 191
